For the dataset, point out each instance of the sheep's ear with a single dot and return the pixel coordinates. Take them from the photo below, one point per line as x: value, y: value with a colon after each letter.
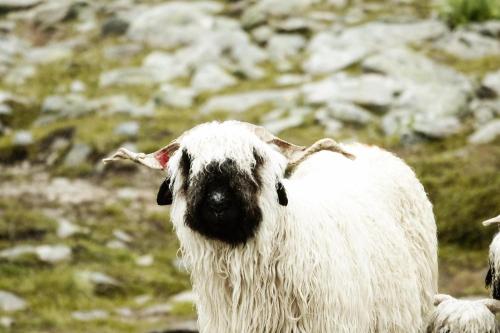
x: 495, y: 220
x: 164, y: 196
x: 157, y: 160
x: 493, y: 305
x: 282, y: 197
x: 440, y: 298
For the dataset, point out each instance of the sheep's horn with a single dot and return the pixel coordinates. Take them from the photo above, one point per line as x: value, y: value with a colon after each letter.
x: 440, y: 298
x: 297, y: 154
x: 492, y: 304
x: 157, y: 160
x: 492, y: 221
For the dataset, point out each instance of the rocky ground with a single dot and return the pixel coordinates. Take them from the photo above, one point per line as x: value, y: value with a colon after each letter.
x: 84, y: 248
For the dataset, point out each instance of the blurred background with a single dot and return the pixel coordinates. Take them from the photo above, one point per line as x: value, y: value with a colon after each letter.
x: 84, y: 248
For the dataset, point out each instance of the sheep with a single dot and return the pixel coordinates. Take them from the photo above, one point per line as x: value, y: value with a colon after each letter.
x: 463, y: 316
x: 493, y: 276
x: 285, y: 238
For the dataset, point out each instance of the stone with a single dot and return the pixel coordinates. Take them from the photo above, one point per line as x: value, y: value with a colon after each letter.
x: 332, y: 126
x: 96, y: 278
x: 114, y: 26
x: 5, y: 110
x: 485, y: 110
x: 77, y: 87
x: 142, y: 299
x: 121, y: 104
x: 6, y: 322
x: 90, y: 315
x: 173, y: 24
x: 437, y: 128
x: 121, y: 51
x: 290, y: 79
x: 129, y: 129
x: 78, y: 155
x: 166, y: 66
x: 349, y: 113
x: 185, y: 296
x: 10, y: 302
x: 486, y: 134
x: 188, y: 326
x: 131, y: 76
x: 157, y: 310
x: 263, y: 9
x: 53, y: 253
x: 295, y: 118
x: 122, y: 235
x: 283, y: 47
x: 47, y: 54
x: 17, y: 251
x: 262, y: 34
x: 492, y: 81
x: 469, y: 45
x: 175, y: 97
x: 23, y: 138
x: 330, y: 51
x: 66, y: 106
x: 116, y: 244
x: 241, y: 102
x: 67, y: 229
x: 372, y: 90
x: 145, y: 260
x: 11, y: 5
x: 18, y: 75
x: 211, y: 78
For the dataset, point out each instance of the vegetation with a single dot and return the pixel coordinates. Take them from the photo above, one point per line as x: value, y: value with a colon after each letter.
x: 457, y: 12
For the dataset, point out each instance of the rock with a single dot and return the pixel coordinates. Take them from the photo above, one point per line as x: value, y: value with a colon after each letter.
x: 185, y: 296
x: 487, y: 28
x: 10, y: 5
x: 371, y: 90
x: 189, y: 326
x: 143, y: 299
x: 67, y: 229
x: 262, y: 34
x: 175, y: 97
x: 290, y: 79
x: 129, y: 128
x: 166, y: 66
x: 53, y: 253
x: 294, y: 119
x: 347, y: 112
x: 124, y: 312
x: 330, y: 51
x: 122, y: 51
x: 47, y: 54
x: 439, y: 128
x: 210, y: 78
x: 18, y: 75
x: 96, y: 278
x: 282, y: 47
x: 122, y: 235
x: 139, y: 76
x: 6, y: 322
x: 485, y: 110
x: 65, y: 106
x: 52, y: 12
x: 263, y: 9
x: 243, y: 101
x: 157, y: 310
x: 17, y: 251
x: 121, y: 104
x: 78, y: 155
x: 114, y: 26
x: 492, y: 81
x: 10, y: 302
x: 5, y: 110
x: 487, y: 133
x: 23, y: 138
x: 173, y: 24
x: 332, y: 126
x: 90, y: 315
x: 469, y: 45
x: 77, y: 87
x: 145, y: 260
x: 116, y: 244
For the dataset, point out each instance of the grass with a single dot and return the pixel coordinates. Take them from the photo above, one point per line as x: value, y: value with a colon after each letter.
x: 459, y: 12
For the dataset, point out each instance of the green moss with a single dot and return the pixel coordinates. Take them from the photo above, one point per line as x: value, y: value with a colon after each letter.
x: 475, y: 67
x: 457, y: 12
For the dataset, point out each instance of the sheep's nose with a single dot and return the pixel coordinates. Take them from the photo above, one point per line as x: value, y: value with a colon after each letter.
x: 218, y: 201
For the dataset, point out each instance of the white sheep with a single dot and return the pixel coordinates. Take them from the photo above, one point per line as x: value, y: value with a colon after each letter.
x: 463, y: 316
x: 283, y: 238
x: 493, y: 275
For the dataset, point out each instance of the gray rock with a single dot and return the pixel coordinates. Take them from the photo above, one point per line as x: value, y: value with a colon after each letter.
x: 78, y: 155
x: 487, y: 133
x: 6, y: 322
x: 283, y: 47
x: 18, y: 75
x: 373, y: 90
x: 77, y: 87
x: 291, y: 79
x: 5, y: 110
x: 140, y: 76
x: 349, y: 113
x: 295, y: 118
x: 332, y: 126
x: 47, y: 54
x: 437, y: 128
x: 122, y: 51
x: 330, y: 51
x: 114, y: 26
x: 189, y: 326
x: 10, y: 5
x: 17, y: 251
x: 116, y: 244
x: 185, y: 296
x: 50, y: 13
x: 121, y: 104
x: 241, y: 102
x: 176, y: 97
x: 90, y: 315
x: 23, y: 138
x: 166, y: 66
x: 67, y: 229
x: 122, y: 235
x: 492, y: 81
x: 263, y: 9
x: 469, y: 45
x: 156, y: 310
x: 53, y: 253
x: 66, y: 106
x: 145, y: 260
x: 10, y: 302
x: 262, y: 34
x: 173, y: 24
x: 485, y: 110
x: 211, y: 77
x: 95, y: 278
x: 129, y: 128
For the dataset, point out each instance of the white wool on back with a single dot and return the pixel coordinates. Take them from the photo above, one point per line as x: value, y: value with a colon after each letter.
x: 355, y: 250
x: 494, y: 255
x: 462, y: 316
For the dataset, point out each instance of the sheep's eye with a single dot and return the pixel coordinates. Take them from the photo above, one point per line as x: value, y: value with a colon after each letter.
x: 164, y: 196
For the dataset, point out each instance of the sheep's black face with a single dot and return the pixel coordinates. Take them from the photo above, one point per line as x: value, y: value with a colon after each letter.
x: 222, y: 201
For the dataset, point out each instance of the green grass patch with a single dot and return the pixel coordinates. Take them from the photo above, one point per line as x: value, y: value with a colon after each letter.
x: 458, y: 12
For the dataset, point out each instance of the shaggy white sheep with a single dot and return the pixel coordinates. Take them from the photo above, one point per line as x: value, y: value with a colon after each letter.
x: 283, y: 238
x: 493, y: 276
x: 463, y: 316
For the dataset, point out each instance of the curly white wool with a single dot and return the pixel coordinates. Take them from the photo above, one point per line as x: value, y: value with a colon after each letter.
x: 463, y: 316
